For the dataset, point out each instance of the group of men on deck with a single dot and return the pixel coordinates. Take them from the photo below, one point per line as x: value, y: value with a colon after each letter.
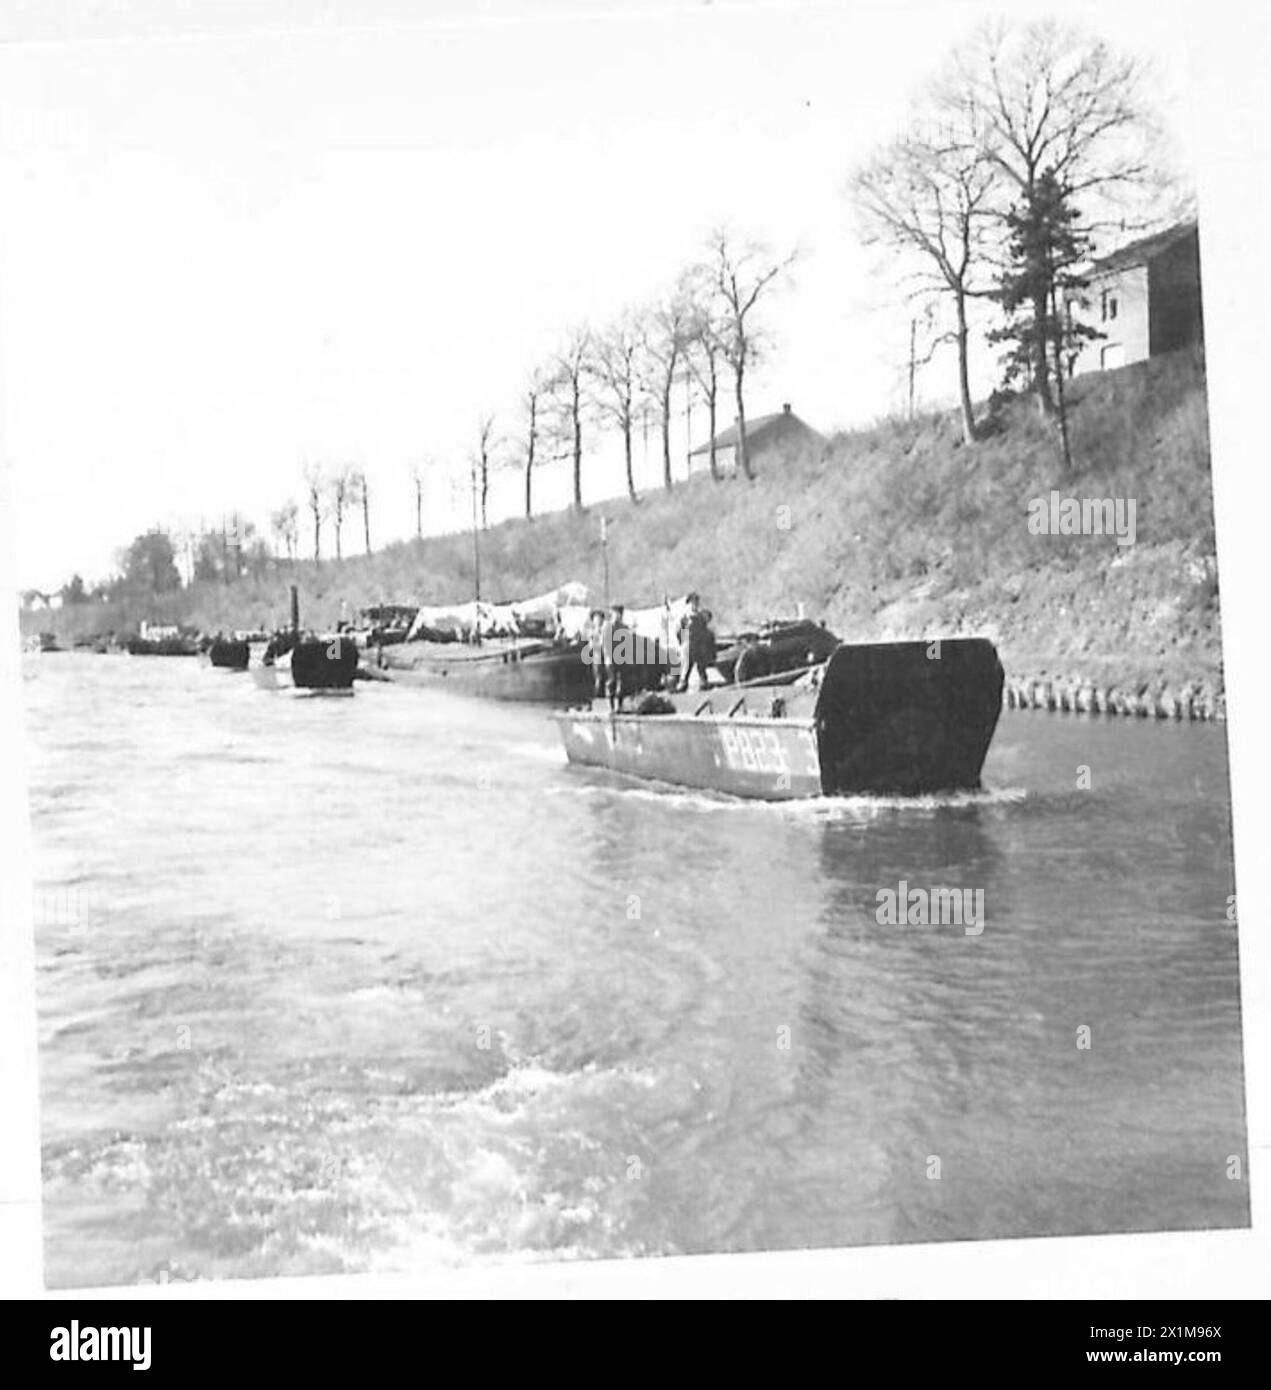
x: 616, y: 676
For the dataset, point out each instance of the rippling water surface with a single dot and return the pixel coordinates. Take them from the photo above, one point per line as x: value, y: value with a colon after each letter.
x: 333, y: 985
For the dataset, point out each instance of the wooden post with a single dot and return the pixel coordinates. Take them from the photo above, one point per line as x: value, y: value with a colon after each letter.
x: 295, y: 609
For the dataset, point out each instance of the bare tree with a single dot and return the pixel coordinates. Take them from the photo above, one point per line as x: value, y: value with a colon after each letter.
x: 615, y: 367
x: 362, y: 494
x: 568, y: 400
x: 1048, y: 100
x: 742, y: 273
x: 533, y: 407
x: 315, y: 493
x: 280, y: 528
x: 704, y: 348
x: 930, y: 194
x: 482, y: 461
x: 343, y: 491
x: 417, y: 471
x: 669, y: 329
x: 284, y: 523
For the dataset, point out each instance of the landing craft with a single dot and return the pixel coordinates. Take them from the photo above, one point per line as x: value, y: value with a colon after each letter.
x: 308, y: 665
x: 888, y: 718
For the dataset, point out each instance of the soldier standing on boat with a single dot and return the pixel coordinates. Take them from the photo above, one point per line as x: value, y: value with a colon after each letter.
x: 596, y: 651
x: 697, y: 643
x: 619, y: 670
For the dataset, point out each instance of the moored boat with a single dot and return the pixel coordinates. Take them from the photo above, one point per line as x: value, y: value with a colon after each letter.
x: 153, y: 640
x: 229, y: 654
x: 308, y: 665
x: 541, y: 672
x: 883, y: 718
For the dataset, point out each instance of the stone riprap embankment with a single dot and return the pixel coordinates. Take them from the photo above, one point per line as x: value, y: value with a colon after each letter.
x: 1198, y: 700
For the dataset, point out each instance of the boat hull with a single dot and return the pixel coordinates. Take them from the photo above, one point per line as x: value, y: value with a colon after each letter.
x: 313, y: 666
x: 895, y: 718
x: 761, y: 759
x: 229, y: 656
x: 163, y: 646
x: 534, y: 674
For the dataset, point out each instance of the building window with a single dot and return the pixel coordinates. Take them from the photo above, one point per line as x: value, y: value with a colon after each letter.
x: 1112, y: 306
x: 1107, y: 306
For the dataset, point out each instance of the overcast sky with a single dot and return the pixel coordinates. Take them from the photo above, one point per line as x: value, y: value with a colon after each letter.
x: 224, y: 254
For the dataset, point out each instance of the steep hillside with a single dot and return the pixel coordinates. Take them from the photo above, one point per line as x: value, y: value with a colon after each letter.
x: 899, y: 530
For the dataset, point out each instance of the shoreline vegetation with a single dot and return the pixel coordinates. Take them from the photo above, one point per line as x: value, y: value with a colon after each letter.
x: 895, y: 531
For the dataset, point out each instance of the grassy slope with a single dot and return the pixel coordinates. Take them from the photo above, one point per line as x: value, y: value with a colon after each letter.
x: 898, y: 531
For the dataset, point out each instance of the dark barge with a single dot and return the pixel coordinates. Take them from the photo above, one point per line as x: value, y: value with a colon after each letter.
x: 229, y: 654
x: 309, y: 665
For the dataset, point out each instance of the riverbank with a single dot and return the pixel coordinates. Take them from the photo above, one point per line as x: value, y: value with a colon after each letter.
x: 896, y: 531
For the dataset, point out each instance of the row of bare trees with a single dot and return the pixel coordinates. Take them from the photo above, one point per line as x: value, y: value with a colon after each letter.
x: 1023, y: 119
x: 331, y: 494
x: 700, y: 332
x: 334, y: 495
x: 703, y: 333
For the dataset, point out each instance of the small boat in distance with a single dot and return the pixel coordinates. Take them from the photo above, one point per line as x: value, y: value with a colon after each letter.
x: 308, y: 664
x: 887, y: 718
x: 153, y: 640
x: 229, y: 654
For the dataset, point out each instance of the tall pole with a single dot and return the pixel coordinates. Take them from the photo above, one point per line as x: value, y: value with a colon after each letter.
x: 476, y: 542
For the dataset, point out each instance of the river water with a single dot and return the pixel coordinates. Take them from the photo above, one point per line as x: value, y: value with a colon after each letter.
x: 377, y: 983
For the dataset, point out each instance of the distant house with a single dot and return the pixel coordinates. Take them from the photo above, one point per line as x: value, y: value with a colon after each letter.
x: 769, y: 438
x: 1144, y: 299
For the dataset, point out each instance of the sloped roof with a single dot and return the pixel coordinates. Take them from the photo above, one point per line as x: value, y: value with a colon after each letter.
x: 726, y: 439
x: 1145, y: 249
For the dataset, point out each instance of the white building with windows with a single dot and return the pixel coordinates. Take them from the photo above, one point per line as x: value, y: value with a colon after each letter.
x: 1143, y: 299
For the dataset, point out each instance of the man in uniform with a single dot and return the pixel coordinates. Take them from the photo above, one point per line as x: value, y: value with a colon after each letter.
x: 696, y: 643
x: 596, y: 651
x: 616, y: 645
